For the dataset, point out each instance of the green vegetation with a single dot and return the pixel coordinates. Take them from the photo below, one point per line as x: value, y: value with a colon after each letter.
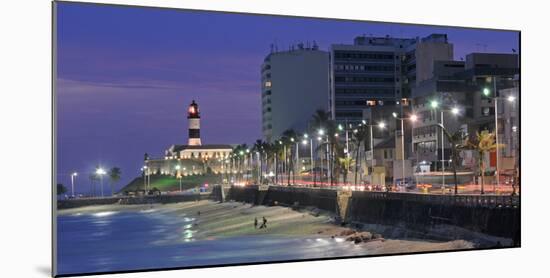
x: 61, y: 189
x: 114, y: 177
x: 171, y: 183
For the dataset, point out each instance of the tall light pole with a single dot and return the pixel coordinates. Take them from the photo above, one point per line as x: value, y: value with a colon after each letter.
x: 495, y: 98
x: 101, y: 172
x: 320, y: 138
x: 434, y: 105
x: 380, y: 125
x: 297, y: 159
x: 145, y: 174
x: 73, y: 177
x: 412, y: 118
x: 178, y: 175
x: 346, y: 129
x: 312, y: 161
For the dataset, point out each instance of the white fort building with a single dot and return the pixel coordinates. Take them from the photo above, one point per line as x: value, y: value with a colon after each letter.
x: 193, y: 158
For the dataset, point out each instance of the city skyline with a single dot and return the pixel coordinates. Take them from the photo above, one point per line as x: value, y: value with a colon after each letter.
x: 126, y: 75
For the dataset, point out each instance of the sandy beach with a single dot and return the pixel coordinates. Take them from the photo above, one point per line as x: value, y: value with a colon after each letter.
x: 212, y: 220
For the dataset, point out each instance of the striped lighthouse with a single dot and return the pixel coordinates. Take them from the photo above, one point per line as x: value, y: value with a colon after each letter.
x: 194, y: 124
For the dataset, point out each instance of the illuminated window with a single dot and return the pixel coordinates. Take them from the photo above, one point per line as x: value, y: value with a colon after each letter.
x: 371, y: 102
x: 268, y: 84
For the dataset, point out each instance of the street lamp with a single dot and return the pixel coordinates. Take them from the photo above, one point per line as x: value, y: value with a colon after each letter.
x: 455, y: 111
x: 73, y: 177
x: 380, y: 125
x: 412, y: 118
x: 321, y: 132
x: 312, y: 161
x: 101, y: 172
x: 178, y: 174
x: 145, y: 177
x: 495, y: 98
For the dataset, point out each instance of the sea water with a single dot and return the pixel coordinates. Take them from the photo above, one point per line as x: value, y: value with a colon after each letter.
x: 108, y: 241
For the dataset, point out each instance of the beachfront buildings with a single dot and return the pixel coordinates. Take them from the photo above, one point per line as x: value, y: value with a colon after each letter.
x: 376, y: 71
x: 294, y: 85
x: 461, y: 96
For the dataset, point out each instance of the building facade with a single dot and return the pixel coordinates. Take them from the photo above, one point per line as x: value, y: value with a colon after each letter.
x: 459, y: 88
x: 294, y: 86
x: 377, y: 71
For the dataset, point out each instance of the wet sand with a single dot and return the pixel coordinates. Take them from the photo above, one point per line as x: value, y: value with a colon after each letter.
x: 212, y: 220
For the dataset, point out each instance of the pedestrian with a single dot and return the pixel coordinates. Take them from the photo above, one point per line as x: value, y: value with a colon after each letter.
x: 255, y: 222
x: 264, y: 223
x: 199, y: 213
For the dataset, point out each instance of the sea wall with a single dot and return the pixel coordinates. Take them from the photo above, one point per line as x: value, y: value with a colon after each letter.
x: 134, y: 200
x: 275, y: 195
x: 491, y: 215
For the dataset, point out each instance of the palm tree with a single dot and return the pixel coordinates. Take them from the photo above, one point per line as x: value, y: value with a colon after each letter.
x: 288, y: 138
x: 321, y: 121
x: 239, y: 153
x: 114, y: 176
x: 269, y: 154
x: 93, y: 179
x: 483, y: 143
x: 277, y: 152
x: 456, y: 140
x: 259, y: 149
x: 359, y: 136
x: 346, y: 163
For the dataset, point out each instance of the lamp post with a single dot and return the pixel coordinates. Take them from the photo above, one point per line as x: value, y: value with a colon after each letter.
x: 412, y: 118
x: 101, y: 172
x: 178, y: 174
x: 145, y: 174
x: 321, y: 132
x: 73, y: 177
x: 380, y: 125
x: 455, y: 110
x: 297, y: 159
x: 495, y: 98
x: 311, y: 162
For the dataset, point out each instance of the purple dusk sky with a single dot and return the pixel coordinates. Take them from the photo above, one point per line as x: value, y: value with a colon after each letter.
x: 125, y: 76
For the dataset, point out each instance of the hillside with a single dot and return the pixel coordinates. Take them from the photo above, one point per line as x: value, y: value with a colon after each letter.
x: 171, y: 183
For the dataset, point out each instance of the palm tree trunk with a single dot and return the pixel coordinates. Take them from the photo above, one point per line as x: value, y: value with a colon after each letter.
x: 455, y: 157
x: 288, y: 168
x: 455, y: 177
x: 260, y: 170
x: 331, y: 164
x: 357, y: 161
x: 482, y: 169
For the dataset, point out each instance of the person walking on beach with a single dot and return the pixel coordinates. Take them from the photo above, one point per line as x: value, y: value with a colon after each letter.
x: 255, y: 222
x: 264, y: 223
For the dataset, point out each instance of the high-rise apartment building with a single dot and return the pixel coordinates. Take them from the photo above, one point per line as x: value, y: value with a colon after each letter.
x: 380, y: 71
x: 294, y: 85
